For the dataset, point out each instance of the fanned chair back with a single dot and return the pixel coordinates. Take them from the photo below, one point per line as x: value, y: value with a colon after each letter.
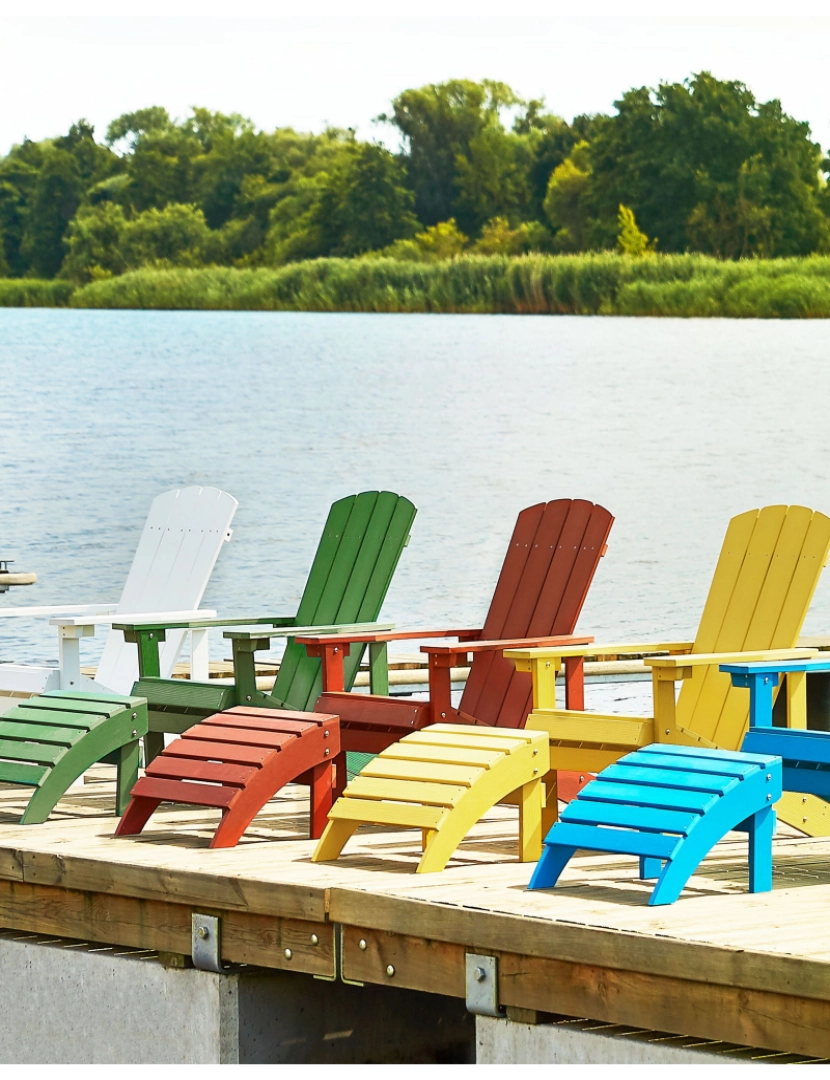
x: 551, y: 560
x: 362, y: 541
x: 176, y: 554
x: 765, y: 578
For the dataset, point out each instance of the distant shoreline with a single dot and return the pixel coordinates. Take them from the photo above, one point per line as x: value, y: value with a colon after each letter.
x: 692, y: 286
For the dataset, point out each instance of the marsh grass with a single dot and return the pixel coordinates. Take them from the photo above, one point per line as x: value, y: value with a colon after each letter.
x: 603, y: 284
x: 30, y: 292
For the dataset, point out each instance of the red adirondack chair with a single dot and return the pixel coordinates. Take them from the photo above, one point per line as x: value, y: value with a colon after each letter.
x: 550, y: 563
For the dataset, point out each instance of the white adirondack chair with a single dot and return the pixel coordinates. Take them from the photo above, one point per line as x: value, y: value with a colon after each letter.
x: 178, y: 549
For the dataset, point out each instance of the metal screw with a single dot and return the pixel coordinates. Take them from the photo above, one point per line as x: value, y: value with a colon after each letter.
x: 535, y: 752
x: 315, y: 940
x: 248, y: 698
x: 151, y: 635
x: 535, y: 771
x: 390, y: 971
x: 288, y: 954
x: 804, y: 799
x: 327, y: 752
x: 769, y: 798
x: 479, y: 974
x: 202, y: 932
x: 769, y: 776
x: 362, y: 945
x: 325, y: 734
x: 336, y: 650
x: 667, y: 731
x: 443, y: 716
x: 547, y: 663
x: 804, y: 819
x: 135, y: 734
x: 135, y: 716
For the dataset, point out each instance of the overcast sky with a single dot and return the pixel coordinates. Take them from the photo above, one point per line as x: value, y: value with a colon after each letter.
x: 310, y: 72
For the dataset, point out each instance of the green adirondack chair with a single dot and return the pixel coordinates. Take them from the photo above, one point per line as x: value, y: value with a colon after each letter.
x: 361, y: 543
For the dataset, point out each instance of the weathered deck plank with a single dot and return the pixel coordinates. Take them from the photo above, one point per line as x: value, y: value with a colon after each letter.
x: 720, y: 963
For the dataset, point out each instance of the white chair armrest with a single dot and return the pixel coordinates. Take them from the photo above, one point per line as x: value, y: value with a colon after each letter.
x: 131, y: 617
x: 57, y: 609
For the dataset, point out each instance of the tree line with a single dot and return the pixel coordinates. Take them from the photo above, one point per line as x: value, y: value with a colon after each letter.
x: 698, y: 166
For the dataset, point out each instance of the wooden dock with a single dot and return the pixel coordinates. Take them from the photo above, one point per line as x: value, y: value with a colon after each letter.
x: 720, y: 964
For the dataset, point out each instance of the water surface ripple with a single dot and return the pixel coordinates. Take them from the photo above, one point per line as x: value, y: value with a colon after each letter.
x: 674, y: 425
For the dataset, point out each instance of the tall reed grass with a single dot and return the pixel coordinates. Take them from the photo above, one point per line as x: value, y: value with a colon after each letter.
x: 602, y: 284
x: 29, y: 292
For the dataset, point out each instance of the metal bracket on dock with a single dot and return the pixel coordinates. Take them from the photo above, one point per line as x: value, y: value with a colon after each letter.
x: 206, y: 943
x: 338, y: 961
x: 483, y: 985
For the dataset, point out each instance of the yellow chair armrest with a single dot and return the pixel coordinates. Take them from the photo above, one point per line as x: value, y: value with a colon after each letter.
x: 544, y: 663
x: 675, y: 668
x: 616, y: 648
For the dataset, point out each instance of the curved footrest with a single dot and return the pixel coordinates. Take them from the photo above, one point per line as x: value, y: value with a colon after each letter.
x: 670, y: 805
x: 236, y: 761
x: 49, y: 741
x: 441, y: 780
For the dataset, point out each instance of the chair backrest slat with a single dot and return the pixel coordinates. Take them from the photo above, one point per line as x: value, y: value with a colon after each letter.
x: 552, y: 558
x: 176, y: 554
x: 362, y: 542
x: 765, y: 578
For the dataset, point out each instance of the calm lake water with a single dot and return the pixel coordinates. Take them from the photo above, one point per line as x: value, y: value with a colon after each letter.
x: 674, y: 425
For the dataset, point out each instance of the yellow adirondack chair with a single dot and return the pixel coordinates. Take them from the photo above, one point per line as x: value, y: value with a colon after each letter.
x: 765, y: 578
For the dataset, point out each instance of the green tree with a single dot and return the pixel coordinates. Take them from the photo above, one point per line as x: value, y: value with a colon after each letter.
x: 630, y: 239
x: 497, y: 238
x: 94, y: 243
x: 178, y: 235
x: 436, y: 243
x: 363, y: 205
x: 450, y: 130
x: 550, y: 141
x: 706, y: 167
x: 57, y: 195
x: 567, y: 200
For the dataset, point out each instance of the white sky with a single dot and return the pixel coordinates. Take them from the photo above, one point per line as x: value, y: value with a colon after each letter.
x: 324, y: 68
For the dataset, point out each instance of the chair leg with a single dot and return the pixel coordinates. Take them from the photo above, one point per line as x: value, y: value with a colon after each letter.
x: 530, y: 821
x: 650, y: 867
x: 136, y: 816
x: 334, y: 838
x: 321, y: 794
x: 761, y: 832
x: 126, y: 775
x: 153, y: 746
x: 550, y: 811
x: 550, y: 866
x: 340, y: 777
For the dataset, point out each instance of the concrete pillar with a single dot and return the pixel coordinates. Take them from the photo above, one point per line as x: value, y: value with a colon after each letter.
x: 586, y: 1042
x: 61, y: 1003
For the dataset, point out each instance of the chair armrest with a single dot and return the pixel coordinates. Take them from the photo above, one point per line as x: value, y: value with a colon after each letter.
x: 444, y: 657
x: 180, y: 621
x: 675, y: 668
x: 566, y: 640
x: 637, y: 648
x: 362, y: 632
x: 57, y: 609
x: 780, y: 667
x: 543, y: 664
x: 761, y: 677
x: 364, y: 638
x: 148, y: 621
x: 667, y: 670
